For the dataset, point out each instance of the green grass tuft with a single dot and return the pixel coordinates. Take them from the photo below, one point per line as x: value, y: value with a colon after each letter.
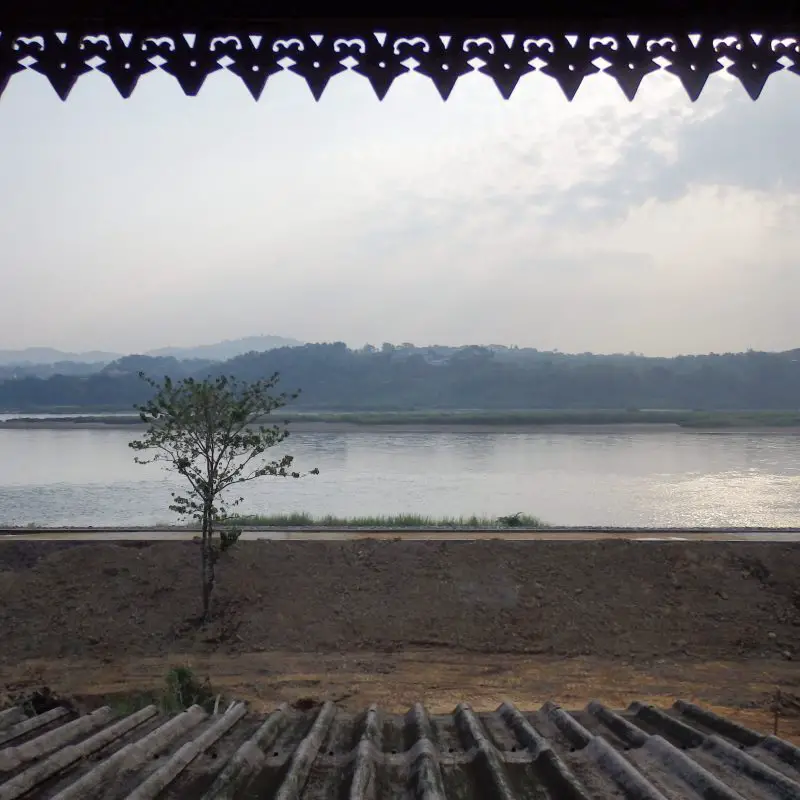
x: 181, y: 691
x: 305, y: 520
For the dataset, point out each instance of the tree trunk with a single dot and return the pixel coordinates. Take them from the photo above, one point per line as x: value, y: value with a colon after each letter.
x: 208, y: 576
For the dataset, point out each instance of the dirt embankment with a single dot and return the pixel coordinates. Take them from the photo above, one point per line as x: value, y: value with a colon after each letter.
x: 620, y: 600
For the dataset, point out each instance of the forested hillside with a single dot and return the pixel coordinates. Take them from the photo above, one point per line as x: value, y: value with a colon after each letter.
x: 333, y: 377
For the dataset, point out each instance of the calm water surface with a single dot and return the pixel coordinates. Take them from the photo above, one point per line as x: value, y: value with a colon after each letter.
x: 54, y: 477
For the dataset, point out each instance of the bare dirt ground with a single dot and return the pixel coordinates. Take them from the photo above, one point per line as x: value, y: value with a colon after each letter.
x: 742, y: 691
x: 396, y: 622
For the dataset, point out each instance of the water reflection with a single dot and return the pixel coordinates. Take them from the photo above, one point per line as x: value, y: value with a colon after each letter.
x: 87, y: 477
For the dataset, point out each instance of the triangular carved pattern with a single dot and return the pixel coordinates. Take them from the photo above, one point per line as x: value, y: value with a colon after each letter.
x: 505, y: 59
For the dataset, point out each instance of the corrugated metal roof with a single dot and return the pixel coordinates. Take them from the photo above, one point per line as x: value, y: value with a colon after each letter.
x: 642, y: 752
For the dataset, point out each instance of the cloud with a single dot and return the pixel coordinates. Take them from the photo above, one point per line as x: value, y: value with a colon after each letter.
x: 729, y: 142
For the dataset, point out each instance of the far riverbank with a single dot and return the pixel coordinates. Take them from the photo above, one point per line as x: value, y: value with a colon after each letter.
x: 300, y: 426
x: 445, y: 421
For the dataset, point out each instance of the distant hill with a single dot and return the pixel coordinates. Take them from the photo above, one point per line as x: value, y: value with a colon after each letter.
x: 230, y: 348
x: 45, y: 356
x: 49, y: 355
x: 157, y: 366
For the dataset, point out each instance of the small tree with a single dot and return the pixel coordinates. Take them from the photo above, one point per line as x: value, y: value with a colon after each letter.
x: 211, y: 432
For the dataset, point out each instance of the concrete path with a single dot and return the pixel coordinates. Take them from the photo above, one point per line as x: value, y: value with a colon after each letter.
x: 557, y: 534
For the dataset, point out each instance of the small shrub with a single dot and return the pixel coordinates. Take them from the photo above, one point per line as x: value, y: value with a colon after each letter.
x: 228, y: 539
x: 40, y: 701
x: 183, y: 690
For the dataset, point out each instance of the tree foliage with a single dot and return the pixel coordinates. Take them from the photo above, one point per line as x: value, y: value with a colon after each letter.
x: 212, y: 433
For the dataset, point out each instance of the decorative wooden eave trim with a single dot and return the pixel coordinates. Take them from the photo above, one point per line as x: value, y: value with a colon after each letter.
x: 562, y: 40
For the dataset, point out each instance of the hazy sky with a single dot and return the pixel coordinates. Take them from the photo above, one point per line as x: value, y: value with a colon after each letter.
x: 659, y: 226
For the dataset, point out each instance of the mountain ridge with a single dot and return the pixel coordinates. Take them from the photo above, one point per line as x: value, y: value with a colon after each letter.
x: 51, y: 355
x: 227, y: 348
x: 216, y: 351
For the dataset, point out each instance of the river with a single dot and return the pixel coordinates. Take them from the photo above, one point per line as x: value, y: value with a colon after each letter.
x: 664, y: 478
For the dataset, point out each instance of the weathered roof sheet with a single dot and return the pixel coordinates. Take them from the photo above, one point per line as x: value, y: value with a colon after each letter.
x: 643, y: 752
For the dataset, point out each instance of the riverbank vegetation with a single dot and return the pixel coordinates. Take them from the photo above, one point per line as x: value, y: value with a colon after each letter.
x: 303, y: 519
x: 514, y: 419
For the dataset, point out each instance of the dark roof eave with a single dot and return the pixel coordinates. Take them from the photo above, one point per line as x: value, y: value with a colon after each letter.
x: 31, y: 36
x: 577, y: 16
